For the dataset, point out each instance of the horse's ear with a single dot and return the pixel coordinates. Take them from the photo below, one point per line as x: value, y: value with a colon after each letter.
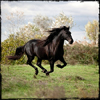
x: 64, y: 27
x: 68, y: 27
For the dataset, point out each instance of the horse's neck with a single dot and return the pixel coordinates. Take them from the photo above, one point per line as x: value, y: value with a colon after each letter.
x: 57, y: 43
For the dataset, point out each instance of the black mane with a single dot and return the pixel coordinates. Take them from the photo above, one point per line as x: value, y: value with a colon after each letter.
x: 53, y: 33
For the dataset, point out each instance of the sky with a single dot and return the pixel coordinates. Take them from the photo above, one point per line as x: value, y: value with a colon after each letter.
x: 81, y: 12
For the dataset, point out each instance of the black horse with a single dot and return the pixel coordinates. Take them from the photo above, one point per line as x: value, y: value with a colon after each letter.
x: 50, y: 49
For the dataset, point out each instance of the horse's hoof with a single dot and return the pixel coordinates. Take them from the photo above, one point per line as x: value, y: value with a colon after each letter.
x: 47, y: 74
x: 44, y: 71
x: 34, y: 76
x: 36, y: 72
x: 59, y: 66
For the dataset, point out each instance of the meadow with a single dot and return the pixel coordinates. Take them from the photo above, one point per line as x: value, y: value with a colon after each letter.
x: 73, y: 81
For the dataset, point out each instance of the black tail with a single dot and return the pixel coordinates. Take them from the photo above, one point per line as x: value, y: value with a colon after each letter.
x: 18, y: 54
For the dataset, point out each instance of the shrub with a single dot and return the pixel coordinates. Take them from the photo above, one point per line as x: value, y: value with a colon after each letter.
x: 81, y: 54
x: 9, y: 47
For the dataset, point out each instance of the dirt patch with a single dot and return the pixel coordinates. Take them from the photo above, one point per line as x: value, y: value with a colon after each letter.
x: 76, y: 78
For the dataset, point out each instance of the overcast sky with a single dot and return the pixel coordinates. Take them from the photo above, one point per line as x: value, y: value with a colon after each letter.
x: 81, y: 12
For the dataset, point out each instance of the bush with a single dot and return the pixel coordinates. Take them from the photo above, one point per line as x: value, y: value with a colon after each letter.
x: 81, y: 54
x: 9, y: 47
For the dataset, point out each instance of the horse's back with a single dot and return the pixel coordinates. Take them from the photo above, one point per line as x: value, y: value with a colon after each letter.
x: 29, y: 47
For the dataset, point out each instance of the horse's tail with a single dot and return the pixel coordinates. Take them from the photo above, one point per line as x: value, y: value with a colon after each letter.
x: 18, y: 54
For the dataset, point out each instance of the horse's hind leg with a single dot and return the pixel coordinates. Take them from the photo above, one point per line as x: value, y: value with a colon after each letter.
x: 30, y: 58
x: 39, y: 64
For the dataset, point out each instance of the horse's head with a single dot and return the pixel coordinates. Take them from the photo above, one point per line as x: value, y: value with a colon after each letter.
x: 66, y: 34
x: 63, y: 32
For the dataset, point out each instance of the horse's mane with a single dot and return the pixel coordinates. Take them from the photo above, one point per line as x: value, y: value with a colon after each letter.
x: 53, y: 33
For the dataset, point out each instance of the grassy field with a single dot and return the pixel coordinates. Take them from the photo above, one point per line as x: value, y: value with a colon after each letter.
x: 81, y: 81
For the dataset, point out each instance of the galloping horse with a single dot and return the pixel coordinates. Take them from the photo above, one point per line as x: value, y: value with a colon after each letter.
x: 50, y: 49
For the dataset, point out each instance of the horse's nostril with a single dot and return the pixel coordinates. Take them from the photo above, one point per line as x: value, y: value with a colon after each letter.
x: 71, y: 41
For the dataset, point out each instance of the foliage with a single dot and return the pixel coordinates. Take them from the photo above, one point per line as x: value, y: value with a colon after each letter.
x: 63, y: 20
x: 14, y: 21
x: 78, y: 81
x: 27, y: 32
x: 8, y: 48
x: 43, y: 22
x: 81, y: 54
x: 92, y: 30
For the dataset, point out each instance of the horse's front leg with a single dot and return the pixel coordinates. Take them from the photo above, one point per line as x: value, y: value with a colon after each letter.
x: 39, y: 64
x: 63, y: 61
x: 51, y: 68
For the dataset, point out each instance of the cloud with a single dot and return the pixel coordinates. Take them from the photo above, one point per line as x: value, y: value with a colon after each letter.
x: 84, y: 8
x: 32, y: 8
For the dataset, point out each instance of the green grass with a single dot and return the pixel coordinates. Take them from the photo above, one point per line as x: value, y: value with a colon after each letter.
x: 72, y: 81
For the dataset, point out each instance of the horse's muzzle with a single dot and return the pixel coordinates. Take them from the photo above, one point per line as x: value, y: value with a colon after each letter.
x: 70, y: 41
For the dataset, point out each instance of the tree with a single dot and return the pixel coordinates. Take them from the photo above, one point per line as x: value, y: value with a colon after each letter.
x: 15, y: 20
x: 43, y: 22
x: 28, y: 32
x: 62, y: 20
x: 92, y: 30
